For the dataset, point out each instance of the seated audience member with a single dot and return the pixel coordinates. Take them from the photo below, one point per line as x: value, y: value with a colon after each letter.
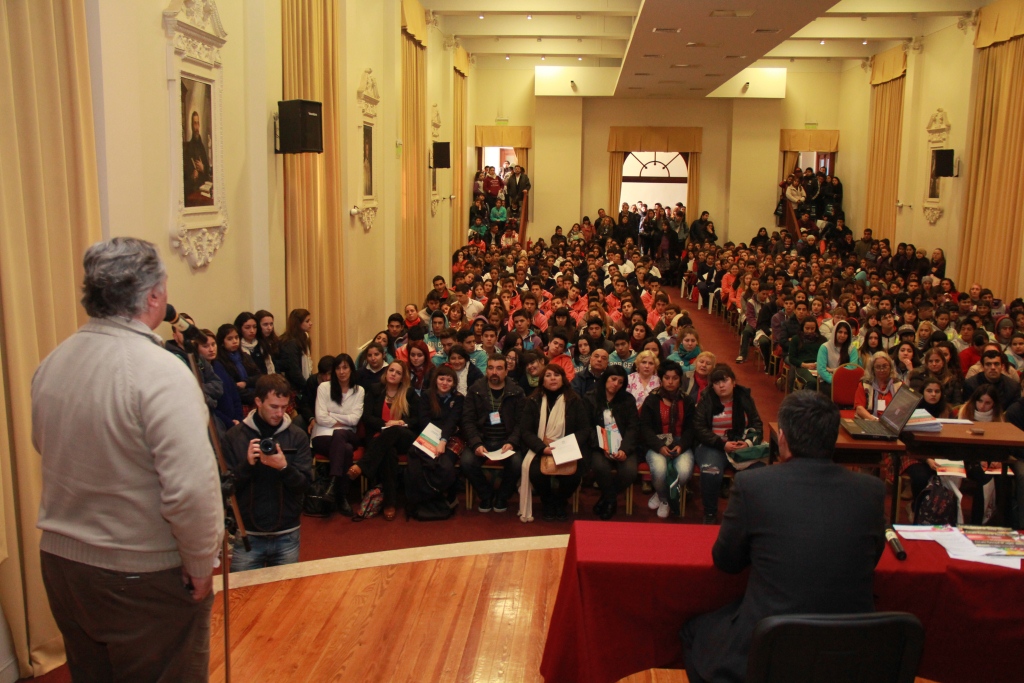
x: 877, y: 388
x: 295, y: 362
x: 1015, y: 416
x: 624, y: 355
x: 983, y: 405
x: 521, y: 335
x: 491, y: 423
x: 612, y: 407
x: 251, y: 343
x: 550, y: 413
x: 581, y: 355
x: 465, y: 372
x: 237, y: 365
x: 558, y: 341
x: 371, y: 366
x: 428, y: 477
x: 920, y: 472
x: 268, y: 339
x: 438, y: 323
x: 586, y: 380
x: 934, y: 364
x: 339, y: 407
x: 904, y: 360
x: 667, y: 435
x: 391, y: 412
x: 420, y: 367
x: 699, y: 379
x: 803, y: 354
x: 688, y: 350
x: 269, y: 487
x: 305, y: 402
x: 228, y: 409
x: 447, y: 338
x: 992, y: 375
x: 726, y: 421
x: 834, y: 354
x: 824, y: 568
x: 644, y: 378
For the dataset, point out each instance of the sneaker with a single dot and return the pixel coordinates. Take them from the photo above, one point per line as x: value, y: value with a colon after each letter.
x: 663, y: 511
x: 654, y: 503
x: 740, y: 359
x: 548, y: 514
x: 485, y: 505
x: 710, y: 518
x: 561, y: 514
x: 500, y: 503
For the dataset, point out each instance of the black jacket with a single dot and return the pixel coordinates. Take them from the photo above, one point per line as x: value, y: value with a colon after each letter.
x: 577, y: 423
x: 744, y: 417
x: 623, y: 408
x: 373, y: 405
x: 651, y: 425
x: 289, y: 364
x: 811, y: 532
x: 585, y: 381
x: 764, y: 317
x: 269, y: 500
x: 449, y: 418
x: 1008, y: 390
x: 476, y: 413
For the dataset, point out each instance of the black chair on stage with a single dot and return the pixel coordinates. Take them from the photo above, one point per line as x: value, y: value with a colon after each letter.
x: 880, y: 647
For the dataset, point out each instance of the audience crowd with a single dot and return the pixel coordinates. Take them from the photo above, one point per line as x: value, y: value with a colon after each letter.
x: 574, y: 336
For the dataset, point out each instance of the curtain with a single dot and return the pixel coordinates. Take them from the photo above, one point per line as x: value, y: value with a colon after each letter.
x: 889, y: 65
x: 49, y: 215
x: 654, y: 139
x: 693, y: 186
x: 998, y: 22
x: 459, y: 211
x: 412, y: 233
x: 523, y: 158
x: 884, y: 158
x: 993, y: 221
x: 503, y: 136
x: 615, y: 162
x: 313, y: 211
x: 800, y: 140
x: 789, y: 162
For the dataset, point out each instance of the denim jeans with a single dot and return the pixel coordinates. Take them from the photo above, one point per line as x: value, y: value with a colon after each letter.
x: 746, y: 337
x: 659, y: 471
x: 267, y: 551
x: 712, y: 463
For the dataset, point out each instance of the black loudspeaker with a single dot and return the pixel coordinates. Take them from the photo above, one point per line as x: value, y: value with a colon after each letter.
x: 943, y: 161
x: 300, y: 127
x: 442, y: 155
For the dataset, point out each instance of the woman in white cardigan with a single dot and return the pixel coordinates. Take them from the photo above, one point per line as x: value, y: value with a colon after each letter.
x: 339, y: 407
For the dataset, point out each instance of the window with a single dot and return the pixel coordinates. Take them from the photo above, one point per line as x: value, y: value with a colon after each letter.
x: 654, y: 177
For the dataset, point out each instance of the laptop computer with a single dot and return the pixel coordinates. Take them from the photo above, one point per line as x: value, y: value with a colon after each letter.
x: 892, y: 421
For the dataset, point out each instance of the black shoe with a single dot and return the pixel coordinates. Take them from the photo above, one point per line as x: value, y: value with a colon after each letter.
x: 561, y: 514
x: 453, y: 500
x: 710, y: 518
x: 610, y: 508
x: 500, y: 503
x: 600, y: 506
x: 485, y: 505
x: 547, y: 514
x: 344, y: 507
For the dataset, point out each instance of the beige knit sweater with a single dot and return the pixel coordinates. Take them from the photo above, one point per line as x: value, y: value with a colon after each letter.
x: 129, y: 477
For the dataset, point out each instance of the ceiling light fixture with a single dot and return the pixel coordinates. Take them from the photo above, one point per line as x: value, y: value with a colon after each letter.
x: 864, y: 43
x: 823, y: 42
x: 580, y: 59
x: 506, y: 58
x: 529, y: 16
x: 542, y: 58
x: 481, y: 16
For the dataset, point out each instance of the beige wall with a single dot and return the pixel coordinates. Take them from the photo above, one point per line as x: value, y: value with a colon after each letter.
x: 811, y: 97
x: 556, y: 160
x: 501, y: 93
x: 753, y: 169
x: 130, y: 92
x: 852, y: 159
x: 440, y: 67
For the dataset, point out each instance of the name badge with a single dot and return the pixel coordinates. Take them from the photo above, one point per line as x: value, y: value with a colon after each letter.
x: 881, y: 405
x: 495, y: 418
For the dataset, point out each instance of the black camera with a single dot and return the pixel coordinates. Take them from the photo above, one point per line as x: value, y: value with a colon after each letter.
x: 268, y: 446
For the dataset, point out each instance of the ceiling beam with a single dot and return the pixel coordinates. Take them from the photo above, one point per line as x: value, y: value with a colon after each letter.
x: 875, y: 28
x: 553, y: 26
x: 588, y: 47
x: 888, y: 8
x: 624, y: 8
x: 832, y: 49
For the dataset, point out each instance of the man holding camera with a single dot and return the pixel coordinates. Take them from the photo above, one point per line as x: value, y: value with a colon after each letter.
x: 273, y: 467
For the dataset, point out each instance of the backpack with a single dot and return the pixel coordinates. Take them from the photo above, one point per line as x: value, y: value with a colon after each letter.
x: 433, y: 510
x: 370, y: 506
x: 319, y: 498
x: 936, y: 505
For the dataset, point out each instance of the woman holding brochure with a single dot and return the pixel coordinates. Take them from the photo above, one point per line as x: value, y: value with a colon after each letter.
x: 431, y: 470
x: 552, y: 412
x: 613, y: 410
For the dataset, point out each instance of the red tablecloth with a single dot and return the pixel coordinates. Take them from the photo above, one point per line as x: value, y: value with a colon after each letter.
x: 627, y: 589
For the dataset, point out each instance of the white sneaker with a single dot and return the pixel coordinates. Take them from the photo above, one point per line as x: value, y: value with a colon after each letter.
x: 663, y: 510
x: 654, y: 503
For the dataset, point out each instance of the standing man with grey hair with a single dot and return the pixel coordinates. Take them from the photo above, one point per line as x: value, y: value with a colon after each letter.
x: 131, y: 509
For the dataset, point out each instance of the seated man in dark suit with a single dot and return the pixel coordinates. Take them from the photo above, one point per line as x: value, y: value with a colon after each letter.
x: 810, y: 530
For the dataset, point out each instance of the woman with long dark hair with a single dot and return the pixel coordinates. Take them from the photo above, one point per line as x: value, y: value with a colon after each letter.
x: 432, y: 475
x: 296, y: 361
x: 251, y: 341
x: 372, y: 363
x: 614, y: 408
x: 268, y: 339
x: 236, y: 365
x: 339, y: 407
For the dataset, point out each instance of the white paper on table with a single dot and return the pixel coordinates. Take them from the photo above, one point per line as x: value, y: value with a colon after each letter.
x: 953, y: 421
x: 565, y: 450
x: 999, y: 561
x: 500, y: 454
x: 912, y: 532
x: 427, y: 441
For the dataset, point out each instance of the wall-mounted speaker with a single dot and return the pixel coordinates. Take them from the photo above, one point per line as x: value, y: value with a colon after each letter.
x: 942, y: 160
x: 442, y: 155
x: 300, y: 127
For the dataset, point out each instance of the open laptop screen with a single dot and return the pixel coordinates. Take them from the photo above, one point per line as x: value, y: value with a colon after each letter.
x: 900, y: 410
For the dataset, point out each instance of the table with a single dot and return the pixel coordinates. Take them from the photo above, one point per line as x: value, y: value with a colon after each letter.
x: 850, y: 451
x: 627, y: 589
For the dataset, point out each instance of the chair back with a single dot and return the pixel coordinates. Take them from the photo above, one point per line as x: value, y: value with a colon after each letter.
x: 845, y: 382
x: 880, y: 647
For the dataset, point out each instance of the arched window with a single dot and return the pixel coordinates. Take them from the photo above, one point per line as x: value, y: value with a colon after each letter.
x: 655, y: 177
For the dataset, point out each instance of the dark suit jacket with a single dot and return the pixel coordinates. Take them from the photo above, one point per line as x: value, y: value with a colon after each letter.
x: 811, y: 532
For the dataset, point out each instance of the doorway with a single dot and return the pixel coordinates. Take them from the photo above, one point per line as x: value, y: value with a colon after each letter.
x: 654, y: 178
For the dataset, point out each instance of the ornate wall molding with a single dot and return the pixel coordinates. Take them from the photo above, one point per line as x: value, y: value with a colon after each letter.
x: 435, y: 121
x: 366, y: 216
x: 198, y: 212
x: 435, y: 201
x: 938, y: 128
x: 368, y: 95
x: 932, y: 214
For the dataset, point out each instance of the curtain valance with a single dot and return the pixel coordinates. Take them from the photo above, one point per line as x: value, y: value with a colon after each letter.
x: 654, y: 139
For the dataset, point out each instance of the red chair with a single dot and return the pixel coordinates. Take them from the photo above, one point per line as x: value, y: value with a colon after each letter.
x: 846, y: 384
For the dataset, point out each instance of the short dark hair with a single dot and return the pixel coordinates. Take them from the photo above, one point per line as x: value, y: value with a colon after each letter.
x: 721, y: 372
x: 275, y: 383
x: 669, y: 366
x: 810, y: 422
x: 325, y: 364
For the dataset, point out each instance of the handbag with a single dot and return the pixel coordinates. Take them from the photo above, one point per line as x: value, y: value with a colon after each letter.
x: 750, y: 453
x: 549, y: 468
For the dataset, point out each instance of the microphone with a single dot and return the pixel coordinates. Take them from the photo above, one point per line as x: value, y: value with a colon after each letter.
x: 181, y: 322
x: 894, y: 543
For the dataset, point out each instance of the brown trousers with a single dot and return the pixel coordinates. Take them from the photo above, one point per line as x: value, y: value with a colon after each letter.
x: 117, y: 626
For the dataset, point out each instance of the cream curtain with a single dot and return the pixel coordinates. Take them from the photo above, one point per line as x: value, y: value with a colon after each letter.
x: 503, y: 136
x: 998, y: 22
x: 693, y: 187
x: 884, y: 158
x: 412, y: 234
x: 654, y: 139
x: 888, y: 65
x: 800, y: 140
x: 789, y: 162
x: 49, y: 215
x: 313, y: 211
x: 993, y: 222
x: 615, y: 162
x: 459, y: 214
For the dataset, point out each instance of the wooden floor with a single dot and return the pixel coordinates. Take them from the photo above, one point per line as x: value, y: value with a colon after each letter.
x: 472, y: 619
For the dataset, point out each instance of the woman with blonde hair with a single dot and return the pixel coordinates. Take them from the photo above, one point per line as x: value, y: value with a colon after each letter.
x: 644, y: 378
x: 877, y: 388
